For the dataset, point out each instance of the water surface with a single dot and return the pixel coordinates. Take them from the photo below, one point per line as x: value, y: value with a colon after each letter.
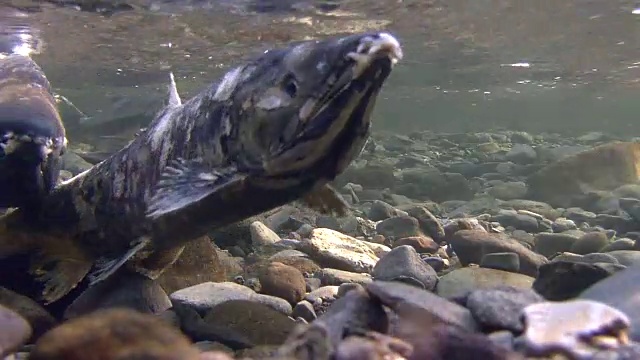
x: 470, y: 65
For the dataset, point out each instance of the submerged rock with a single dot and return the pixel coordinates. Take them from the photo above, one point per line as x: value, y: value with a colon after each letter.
x: 333, y: 249
x: 461, y: 281
x: 472, y: 245
x: 605, y: 167
x: 14, y: 331
x: 114, y: 334
x: 575, y: 328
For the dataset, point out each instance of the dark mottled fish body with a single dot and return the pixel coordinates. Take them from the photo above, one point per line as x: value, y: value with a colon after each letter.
x: 271, y: 131
x: 32, y: 136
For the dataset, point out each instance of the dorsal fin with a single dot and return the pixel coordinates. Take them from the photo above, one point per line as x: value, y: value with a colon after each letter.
x: 174, y: 97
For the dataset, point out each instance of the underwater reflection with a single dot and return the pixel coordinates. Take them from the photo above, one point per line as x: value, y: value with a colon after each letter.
x: 16, y: 36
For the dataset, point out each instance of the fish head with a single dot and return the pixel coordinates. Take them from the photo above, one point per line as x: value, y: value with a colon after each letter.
x: 31, y: 146
x: 303, y: 112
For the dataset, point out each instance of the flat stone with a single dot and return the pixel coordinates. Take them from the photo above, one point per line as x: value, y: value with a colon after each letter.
x: 203, y: 297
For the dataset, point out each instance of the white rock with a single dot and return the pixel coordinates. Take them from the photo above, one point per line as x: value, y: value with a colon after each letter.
x: 262, y: 235
x: 333, y: 249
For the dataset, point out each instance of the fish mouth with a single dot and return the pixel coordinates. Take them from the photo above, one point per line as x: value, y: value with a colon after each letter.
x: 29, y: 163
x: 368, y: 64
x: 382, y: 46
x: 336, y: 125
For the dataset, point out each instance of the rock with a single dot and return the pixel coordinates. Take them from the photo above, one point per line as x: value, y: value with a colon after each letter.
x: 605, y: 167
x: 399, y: 227
x: 631, y: 206
x: 533, y: 207
x: 336, y: 250
x: 621, y: 292
x: 380, y: 210
x: 422, y: 244
x: 404, y: 264
x: 115, y: 334
x: 617, y: 223
x: 261, y: 235
x: 521, y: 154
x: 571, y: 328
x: 472, y: 245
x: 370, y: 176
x: 302, y: 263
x: 563, y: 280
x: 429, y: 224
x: 372, y: 346
x: 346, y: 287
x: 461, y: 281
x: 518, y: 221
x: 557, y: 153
x: 500, y: 308
x: 548, y: 244
x: 436, y: 262
x: 508, y: 190
x: 507, y: 261
x: 399, y: 296
x: 628, y: 191
x: 432, y: 184
x: 304, y: 309
x: 477, y: 206
x: 239, y: 234
x: 194, y: 326
x: 590, y: 242
x: 323, y: 293
x: 261, y: 324
x: 439, y: 341
x: 339, y: 277
x: 329, y: 222
x: 198, y: 263
x: 587, y: 259
x: 354, y: 310
x: 563, y: 224
x: 283, y: 281
x: 503, y: 339
x: 626, y: 257
x: 37, y: 317
x: 521, y: 137
x: 124, y: 289
x: 313, y: 284
x: 378, y: 249
x: 205, y: 296
x: 14, y: 331
x: 523, y: 237
x: 619, y: 244
x: 287, y: 254
x: 215, y: 355
x: 579, y: 215
x: 462, y: 224
x: 73, y: 163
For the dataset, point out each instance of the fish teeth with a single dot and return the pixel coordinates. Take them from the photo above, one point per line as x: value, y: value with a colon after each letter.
x: 386, y: 42
x: 381, y: 44
x: 10, y: 141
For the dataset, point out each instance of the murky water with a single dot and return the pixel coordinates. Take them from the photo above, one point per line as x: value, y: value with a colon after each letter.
x: 470, y: 64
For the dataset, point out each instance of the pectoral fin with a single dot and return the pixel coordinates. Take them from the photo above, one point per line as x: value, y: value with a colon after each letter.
x: 326, y: 200
x: 185, y: 182
x: 106, y: 267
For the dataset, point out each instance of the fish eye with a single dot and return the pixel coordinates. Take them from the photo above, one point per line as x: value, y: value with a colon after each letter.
x: 290, y: 86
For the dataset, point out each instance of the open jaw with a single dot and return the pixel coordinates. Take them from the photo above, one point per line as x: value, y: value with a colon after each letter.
x: 339, y: 122
x: 28, y: 150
